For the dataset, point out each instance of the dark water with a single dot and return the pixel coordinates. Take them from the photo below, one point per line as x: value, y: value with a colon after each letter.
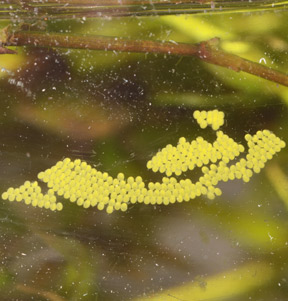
x: 115, y: 111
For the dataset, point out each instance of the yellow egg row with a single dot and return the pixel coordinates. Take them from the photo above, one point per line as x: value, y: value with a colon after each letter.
x: 30, y: 193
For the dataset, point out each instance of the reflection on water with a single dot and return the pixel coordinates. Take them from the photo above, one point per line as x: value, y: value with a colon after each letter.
x: 115, y: 111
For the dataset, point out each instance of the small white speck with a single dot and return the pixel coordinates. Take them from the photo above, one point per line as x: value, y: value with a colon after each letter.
x: 270, y: 236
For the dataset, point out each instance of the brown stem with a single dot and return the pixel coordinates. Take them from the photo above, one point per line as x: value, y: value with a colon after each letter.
x: 113, y: 2
x: 205, y: 50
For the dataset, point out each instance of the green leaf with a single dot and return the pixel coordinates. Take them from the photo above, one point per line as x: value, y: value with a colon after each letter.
x: 228, y: 284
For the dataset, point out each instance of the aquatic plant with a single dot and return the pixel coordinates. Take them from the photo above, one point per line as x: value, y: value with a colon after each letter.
x: 86, y: 186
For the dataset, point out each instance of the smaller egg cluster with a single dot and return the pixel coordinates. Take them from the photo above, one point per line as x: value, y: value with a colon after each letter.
x: 262, y: 147
x: 213, y: 118
x: 30, y: 193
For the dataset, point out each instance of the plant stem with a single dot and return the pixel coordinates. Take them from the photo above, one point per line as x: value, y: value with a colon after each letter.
x: 205, y: 51
x: 57, y: 9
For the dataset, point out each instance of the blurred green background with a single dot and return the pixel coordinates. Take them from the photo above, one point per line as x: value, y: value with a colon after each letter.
x: 115, y: 110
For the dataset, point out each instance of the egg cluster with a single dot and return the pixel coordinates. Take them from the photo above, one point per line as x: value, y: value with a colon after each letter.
x: 186, y: 156
x: 262, y: 147
x: 82, y: 184
x: 213, y: 118
x: 30, y: 193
